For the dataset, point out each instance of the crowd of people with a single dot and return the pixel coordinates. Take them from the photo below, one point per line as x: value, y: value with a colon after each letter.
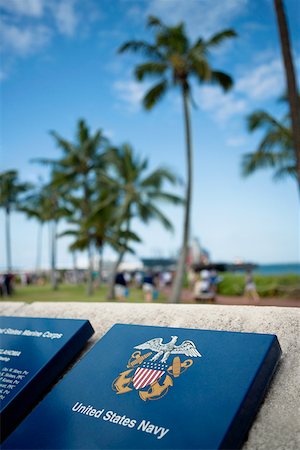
x: 150, y: 282
x: 203, y: 285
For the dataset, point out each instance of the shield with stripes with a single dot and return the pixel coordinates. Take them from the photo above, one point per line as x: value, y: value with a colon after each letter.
x: 144, y: 376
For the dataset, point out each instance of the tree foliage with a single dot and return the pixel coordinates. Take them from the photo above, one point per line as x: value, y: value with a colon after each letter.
x: 102, y: 189
x: 175, y: 61
x: 275, y: 150
x: 11, y: 190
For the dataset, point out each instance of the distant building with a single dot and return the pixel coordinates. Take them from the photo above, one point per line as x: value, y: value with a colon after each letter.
x: 159, y: 264
x: 197, y: 254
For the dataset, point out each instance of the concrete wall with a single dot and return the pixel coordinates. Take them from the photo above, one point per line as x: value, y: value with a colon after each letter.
x: 277, y: 426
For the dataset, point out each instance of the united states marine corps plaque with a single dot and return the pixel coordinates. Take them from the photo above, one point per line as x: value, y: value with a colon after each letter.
x: 144, y: 387
x: 33, y: 353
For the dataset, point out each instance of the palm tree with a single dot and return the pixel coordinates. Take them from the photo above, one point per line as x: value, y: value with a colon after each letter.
x: 105, y: 223
x: 82, y: 242
x: 10, y: 191
x: 291, y: 81
x: 36, y: 205
x: 46, y: 204
x: 137, y: 193
x: 276, y: 148
x: 174, y: 61
x: 76, y: 170
x: 89, y: 232
x: 95, y: 231
x: 57, y: 210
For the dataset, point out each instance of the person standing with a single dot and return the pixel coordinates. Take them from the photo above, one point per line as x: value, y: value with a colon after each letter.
x: 148, y: 286
x: 250, y: 288
x: 120, y: 287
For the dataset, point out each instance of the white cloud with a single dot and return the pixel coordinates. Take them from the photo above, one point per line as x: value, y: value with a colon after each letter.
x: 205, y: 17
x: 32, y: 8
x: 3, y: 74
x: 66, y: 16
x: 130, y: 93
x: 263, y: 82
x: 221, y: 106
x: 257, y: 83
x: 236, y: 141
x: 22, y: 40
x: 135, y: 12
x: 29, y: 25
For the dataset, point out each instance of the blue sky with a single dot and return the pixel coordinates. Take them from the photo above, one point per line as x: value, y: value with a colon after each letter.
x: 59, y: 64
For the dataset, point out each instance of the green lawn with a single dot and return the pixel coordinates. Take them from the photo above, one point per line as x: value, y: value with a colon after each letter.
x: 72, y: 293
x: 267, y: 285
x: 286, y: 286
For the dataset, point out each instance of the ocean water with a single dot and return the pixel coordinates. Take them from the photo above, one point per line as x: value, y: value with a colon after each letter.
x: 278, y: 269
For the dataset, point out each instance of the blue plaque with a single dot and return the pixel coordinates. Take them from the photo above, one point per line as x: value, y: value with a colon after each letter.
x: 33, y: 353
x: 144, y: 387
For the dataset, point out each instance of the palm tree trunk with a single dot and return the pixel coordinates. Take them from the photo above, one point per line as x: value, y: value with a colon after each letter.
x: 111, y: 288
x: 180, y: 269
x: 8, y: 241
x: 100, y: 265
x: 291, y: 82
x: 90, y: 287
x: 75, y: 269
x: 53, y: 256
x: 39, y: 247
x: 86, y: 211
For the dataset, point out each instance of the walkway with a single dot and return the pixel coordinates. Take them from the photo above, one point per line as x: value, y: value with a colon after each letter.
x: 187, y: 297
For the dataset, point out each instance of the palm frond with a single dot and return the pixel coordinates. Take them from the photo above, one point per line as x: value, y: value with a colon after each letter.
x: 282, y: 162
x: 284, y: 172
x: 30, y: 212
x: 11, y: 189
x: 199, y: 47
x: 222, y: 79
x: 142, y: 47
x: 155, y: 94
x: 219, y: 38
x: 62, y: 143
x: 201, y: 68
x: 263, y: 158
x: 166, y: 197
x: 68, y: 233
x: 44, y: 161
x: 275, y: 139
x: 260, y: 119
x: 154, y: 212
x: 158, y: 176
x: 149, y: 69
x: 79, y: 244
x: 251, y: 162
x: 82, y: 131
x: 173, y: 41
x: 66, y: 178
x: 154, y: 21
x: 128, y: 235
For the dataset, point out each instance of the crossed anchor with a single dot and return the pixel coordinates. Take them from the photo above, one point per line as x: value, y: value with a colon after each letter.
x: 178, y: 367
x: 156, y: 390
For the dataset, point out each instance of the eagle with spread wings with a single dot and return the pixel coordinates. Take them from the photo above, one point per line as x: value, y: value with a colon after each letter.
x: 187, y: 348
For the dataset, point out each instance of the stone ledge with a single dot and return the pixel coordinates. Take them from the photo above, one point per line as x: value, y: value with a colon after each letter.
x: 9, y: 308
x: 276, y: 426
